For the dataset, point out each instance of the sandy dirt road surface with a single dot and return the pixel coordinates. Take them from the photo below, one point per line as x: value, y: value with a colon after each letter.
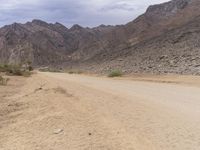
x: 52, y: 111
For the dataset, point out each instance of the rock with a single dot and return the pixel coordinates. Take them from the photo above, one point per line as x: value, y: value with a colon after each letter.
x: 58, y: 131
x: 198, y: 65
x: 163, y: 57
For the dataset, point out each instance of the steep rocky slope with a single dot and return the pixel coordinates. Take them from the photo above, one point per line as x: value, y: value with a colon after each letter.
x: 166, y: 41
x: 175, y: 51
x: 162, y: 40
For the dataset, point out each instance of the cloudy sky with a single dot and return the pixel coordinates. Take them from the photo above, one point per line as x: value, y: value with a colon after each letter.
x: 84, y: 12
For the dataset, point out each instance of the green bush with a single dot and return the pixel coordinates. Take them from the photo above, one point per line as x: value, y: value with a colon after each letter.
x: 3, y: 68
x: 115, y: 73
x: 71, y: 72
x: 75, y: 72
x: 30, y: 68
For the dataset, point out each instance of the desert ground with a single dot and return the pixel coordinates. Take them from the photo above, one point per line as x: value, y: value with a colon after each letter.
x: 58, y: 111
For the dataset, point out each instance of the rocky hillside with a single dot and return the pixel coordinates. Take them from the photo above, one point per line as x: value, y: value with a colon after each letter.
x: 165, y: 39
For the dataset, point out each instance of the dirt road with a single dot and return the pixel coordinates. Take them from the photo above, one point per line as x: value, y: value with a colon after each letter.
x: 52, y: 111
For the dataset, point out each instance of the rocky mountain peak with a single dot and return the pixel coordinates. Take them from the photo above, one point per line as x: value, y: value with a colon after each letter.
x: 59, y: 26
x: 39, y: 22
x: 168, y: 8
x: 76, y: 27
x: 15, y: 28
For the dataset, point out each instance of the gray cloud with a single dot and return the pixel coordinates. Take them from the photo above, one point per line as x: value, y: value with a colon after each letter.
x: 123, y: 6
x: 68, y: 12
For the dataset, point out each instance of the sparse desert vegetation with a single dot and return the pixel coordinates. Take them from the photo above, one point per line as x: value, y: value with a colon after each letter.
x: 75, y: 72
x: 16, y: 70
x: 98, y: 82
x: 59, y: 70
x: 3, y: 80
x: 115, y: 73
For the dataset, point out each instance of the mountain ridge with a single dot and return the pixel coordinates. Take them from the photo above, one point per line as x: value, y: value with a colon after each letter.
x: 47, y: 44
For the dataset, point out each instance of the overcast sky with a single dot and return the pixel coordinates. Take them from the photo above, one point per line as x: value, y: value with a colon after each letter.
x: 84, y: 12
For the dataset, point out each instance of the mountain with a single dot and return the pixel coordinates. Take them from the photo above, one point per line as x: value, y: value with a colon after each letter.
x: 165, y: 39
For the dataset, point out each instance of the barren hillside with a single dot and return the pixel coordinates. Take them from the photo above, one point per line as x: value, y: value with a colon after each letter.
x: 165, y: 39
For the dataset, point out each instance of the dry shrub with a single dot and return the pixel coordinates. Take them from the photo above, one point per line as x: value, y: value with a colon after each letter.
x: 3, y: 81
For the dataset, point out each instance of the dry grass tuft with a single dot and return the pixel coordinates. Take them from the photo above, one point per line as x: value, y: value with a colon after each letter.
x: 3, y: 81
